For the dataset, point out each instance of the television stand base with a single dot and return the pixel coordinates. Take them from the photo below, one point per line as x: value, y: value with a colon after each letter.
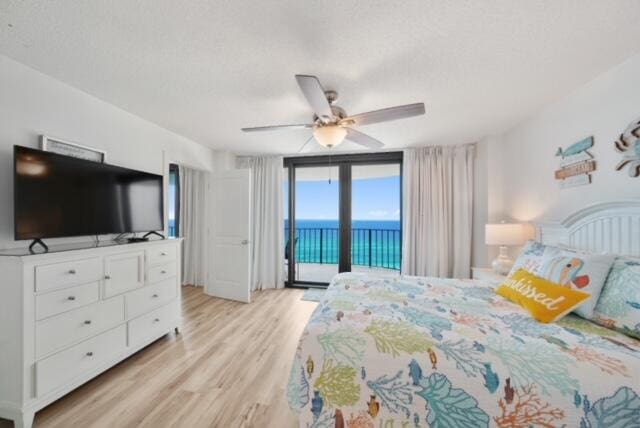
x: 146, y: 235
x: 38, y: 242
x: 144, y: 238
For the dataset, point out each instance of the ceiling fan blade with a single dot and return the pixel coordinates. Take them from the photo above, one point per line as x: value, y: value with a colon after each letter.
x: 363, y: 139
x: 314, y: 93
x: 385, y: 114
x: 276, y: 128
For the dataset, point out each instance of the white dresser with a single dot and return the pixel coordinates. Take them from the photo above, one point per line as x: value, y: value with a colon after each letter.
x: 67, y: 316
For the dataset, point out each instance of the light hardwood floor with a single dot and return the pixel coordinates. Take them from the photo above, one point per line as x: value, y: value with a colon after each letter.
x: 228, y: 368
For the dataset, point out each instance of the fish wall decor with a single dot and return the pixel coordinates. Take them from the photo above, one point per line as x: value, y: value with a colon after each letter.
x: 628, y: 144
x: 576, y: 164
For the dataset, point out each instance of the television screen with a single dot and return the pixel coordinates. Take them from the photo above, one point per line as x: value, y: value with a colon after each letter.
x: 58, y: 196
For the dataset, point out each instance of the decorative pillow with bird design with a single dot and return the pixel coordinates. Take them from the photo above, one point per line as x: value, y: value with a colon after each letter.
x: 619, y: 305
x: 544, y: 300
x: 578, y: 271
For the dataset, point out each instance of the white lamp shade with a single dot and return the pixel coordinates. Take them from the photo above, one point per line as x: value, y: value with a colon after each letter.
x: 329, y: 136
x: 505, y: 234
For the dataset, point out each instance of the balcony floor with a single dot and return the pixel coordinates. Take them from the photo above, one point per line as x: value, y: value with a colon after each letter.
x: 317, y: 272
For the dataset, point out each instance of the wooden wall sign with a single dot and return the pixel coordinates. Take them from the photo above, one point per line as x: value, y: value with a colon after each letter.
x: 579, y: 168
x: 629, y: 145
x: 576, y: 164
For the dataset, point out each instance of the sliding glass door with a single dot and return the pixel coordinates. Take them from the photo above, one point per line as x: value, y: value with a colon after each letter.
x: 317, y: 223
x: 376, y: 239
x: 345, y: 212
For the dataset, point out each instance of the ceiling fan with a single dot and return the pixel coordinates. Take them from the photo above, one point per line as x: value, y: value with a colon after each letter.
x: 331, y: 124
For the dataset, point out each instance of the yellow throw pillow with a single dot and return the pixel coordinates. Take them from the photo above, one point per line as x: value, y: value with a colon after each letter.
x: 546, y: 301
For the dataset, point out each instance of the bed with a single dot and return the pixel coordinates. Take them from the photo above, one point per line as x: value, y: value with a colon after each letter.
x: 413, y: 351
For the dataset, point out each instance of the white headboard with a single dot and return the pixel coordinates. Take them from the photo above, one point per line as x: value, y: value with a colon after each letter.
x: 611, y: 227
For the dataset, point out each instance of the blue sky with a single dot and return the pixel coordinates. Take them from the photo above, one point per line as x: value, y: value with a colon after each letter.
x: 372, y: 199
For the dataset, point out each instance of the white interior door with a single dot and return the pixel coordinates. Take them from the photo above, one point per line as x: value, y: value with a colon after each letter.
x: 231, y: 210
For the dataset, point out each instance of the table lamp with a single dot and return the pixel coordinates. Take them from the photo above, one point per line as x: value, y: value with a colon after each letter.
x: 504, y: 235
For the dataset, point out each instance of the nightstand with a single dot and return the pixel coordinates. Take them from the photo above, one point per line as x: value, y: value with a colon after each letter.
x: 487, y: 274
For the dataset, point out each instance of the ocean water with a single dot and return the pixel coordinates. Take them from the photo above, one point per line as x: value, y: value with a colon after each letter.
x: 375, y: 243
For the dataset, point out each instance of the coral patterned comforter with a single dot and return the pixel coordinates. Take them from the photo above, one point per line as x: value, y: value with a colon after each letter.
x: 433, y: 352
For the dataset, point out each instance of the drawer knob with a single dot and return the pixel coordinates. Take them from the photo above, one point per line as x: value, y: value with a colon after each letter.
x: 87, y: 322
x: 163, y: 254
x: 154, y: 296
x: 107, y: 277
x: 163, y: 272
x: 71, y: 298
x: 89, y: 354
x: 156, y: 320
x: 72, y: 271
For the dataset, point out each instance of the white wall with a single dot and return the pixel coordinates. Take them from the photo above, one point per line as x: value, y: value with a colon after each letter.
x: 488, y: 197
x: 515, y: 170
x: 32, y: 104
x: 602, y: 108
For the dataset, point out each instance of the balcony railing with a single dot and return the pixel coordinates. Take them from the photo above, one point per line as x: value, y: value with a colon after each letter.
x: 379, y: 248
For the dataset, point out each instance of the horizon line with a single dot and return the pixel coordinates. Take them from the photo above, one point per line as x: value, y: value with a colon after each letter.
x: 354, y: 219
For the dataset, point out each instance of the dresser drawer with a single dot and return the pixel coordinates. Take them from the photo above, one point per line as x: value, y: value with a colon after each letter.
x: 161, y: 254
x: 65, y: 274
x: 62, y: 330
x: 143, y: 300
x: 153, y: 324
x: 66, y: 365
x: 158, y: 273
x: 123, y: 272
x: 57, y: 302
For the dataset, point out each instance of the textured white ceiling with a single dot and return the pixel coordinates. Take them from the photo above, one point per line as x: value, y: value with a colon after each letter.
x: 206, y: 68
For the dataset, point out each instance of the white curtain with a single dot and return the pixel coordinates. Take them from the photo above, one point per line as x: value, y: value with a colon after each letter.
x: 193, y: 226
x: 267, y: 221
x: 437, y: 211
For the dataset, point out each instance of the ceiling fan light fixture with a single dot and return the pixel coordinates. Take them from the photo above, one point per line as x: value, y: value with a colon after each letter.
x: 331, y: 124
x: 329, y: 136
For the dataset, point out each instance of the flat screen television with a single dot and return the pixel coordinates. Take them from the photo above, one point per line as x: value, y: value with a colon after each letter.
x: 61, y: 196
